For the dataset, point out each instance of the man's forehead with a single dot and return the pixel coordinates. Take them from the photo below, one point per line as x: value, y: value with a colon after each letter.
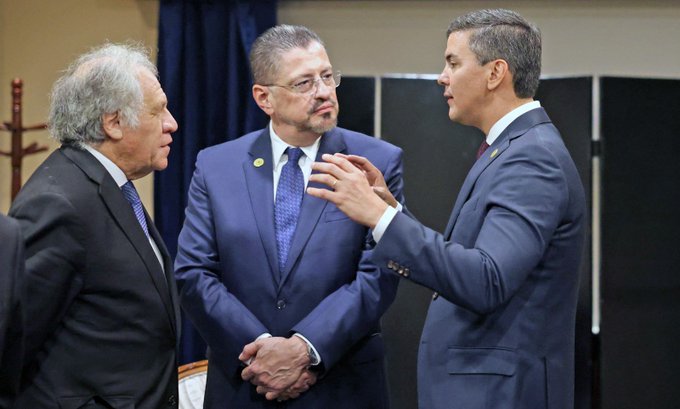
x: 300, y: 60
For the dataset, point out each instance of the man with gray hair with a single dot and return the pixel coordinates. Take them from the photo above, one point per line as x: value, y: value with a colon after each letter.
x: 100, y: 299
x: 500, y: 330
x: 281, y: 285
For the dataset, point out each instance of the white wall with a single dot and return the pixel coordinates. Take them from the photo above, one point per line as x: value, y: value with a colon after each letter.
x: 626, y: 38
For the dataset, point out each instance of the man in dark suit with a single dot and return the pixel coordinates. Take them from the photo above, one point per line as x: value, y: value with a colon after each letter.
x: 273, y: 281
x: 11, y: 313
x: 101, y: 300
x: 500, y: 329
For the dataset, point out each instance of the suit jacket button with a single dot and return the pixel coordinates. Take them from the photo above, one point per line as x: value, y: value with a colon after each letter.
x: 172, y: 401
x: 435, y: 295
x: 390, y: 265
x: 401, y: 271
x: 406, y: 272
x: 281, y: 304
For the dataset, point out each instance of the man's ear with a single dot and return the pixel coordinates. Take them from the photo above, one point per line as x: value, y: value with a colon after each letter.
x: 112, y: 127
x: 262, y: 97
x: 498, y: 72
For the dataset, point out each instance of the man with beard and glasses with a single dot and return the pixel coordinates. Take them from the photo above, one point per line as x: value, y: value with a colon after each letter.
x: 280, y: 284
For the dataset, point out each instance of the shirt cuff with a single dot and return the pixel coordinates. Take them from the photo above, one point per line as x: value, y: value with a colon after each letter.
x: 384, y: 222
x: 314, y: 351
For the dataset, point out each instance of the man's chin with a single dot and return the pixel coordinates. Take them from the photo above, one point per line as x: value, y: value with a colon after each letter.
x: 325, y: 125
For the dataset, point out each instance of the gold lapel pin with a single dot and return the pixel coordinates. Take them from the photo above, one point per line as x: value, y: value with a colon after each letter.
x: 495, y: 151
x: 258, y: 162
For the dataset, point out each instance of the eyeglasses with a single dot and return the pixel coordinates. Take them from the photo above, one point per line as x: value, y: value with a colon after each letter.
x: 309, y: 85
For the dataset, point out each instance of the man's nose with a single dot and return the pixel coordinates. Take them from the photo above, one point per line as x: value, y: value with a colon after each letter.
x: 169, y: 124
x: 322, y: 90
x: 443, y: 78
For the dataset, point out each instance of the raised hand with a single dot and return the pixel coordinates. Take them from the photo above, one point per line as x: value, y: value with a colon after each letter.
x: 353, y: 194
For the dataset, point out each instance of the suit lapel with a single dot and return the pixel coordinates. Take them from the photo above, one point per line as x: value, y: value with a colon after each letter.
x: 122, y: 213
x: 312, y: 207
x: 172, y: 303
x: 259, y: 181
x: 516, y: 129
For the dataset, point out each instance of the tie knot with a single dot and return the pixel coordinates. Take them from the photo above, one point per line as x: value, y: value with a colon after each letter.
x: 294, y: 154
x: 481, y: 149
x: 130, y: 193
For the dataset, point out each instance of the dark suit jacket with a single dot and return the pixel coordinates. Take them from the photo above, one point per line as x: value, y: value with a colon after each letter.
x: 102, y: 315
x: 11, y: 313
x: 501, y: 332
x: 329, y: 291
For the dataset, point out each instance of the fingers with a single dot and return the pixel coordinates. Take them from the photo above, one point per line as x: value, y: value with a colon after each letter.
x: 247, y: 374
x: 359, y: 161
x: 324, y: 178
x: 385, y: 195
x: 249, y: 351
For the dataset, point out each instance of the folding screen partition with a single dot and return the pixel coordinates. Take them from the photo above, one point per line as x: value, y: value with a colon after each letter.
x: 640, y: 334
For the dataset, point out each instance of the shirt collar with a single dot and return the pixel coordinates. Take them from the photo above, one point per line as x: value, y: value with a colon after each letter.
x: 116, y: 173
x: 507, y: 119
x: 279, y: 146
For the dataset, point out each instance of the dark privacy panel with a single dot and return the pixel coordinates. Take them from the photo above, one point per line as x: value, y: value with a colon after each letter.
x: 356, y: 97
x: 437, y: 157
x: 568, y: 102
x: 640, y: 244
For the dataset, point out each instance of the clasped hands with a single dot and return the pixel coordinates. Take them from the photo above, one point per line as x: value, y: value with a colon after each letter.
x: 278, y: 367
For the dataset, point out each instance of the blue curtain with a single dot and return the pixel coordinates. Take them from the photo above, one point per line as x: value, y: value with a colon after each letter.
x: 203, y: 49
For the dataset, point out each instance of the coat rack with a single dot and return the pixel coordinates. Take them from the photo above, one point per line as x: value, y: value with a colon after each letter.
x: 18, y: 152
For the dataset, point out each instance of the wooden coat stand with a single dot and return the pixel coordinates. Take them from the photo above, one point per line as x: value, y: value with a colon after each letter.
x: 17, y: 129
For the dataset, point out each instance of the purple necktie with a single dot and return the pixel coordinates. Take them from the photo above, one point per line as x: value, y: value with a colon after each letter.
x: 132, y: 196
x: 288, y: 200
x: 481, y: 149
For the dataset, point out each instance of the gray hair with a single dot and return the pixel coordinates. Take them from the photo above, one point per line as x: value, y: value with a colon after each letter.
x: 504, y: 34
x: 272, y: 44
x: 101, y: 81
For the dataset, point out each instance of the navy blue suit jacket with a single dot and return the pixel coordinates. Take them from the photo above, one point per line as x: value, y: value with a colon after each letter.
x: 329, y: 291
x: 500, y: 334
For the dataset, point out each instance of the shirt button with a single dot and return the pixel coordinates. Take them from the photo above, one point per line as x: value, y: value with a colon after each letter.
x: 281, y: 304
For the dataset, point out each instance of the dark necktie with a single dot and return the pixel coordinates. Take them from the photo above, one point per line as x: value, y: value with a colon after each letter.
x: 481, y: 149
x: 131, y: 195
x: 288, y: 200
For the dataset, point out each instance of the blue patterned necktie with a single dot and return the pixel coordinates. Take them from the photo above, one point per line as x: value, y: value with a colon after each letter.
x: 288, y: 200
x: 131, y: 195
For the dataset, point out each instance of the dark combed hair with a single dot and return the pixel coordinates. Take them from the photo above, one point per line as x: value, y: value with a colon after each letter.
x: 504, y: 34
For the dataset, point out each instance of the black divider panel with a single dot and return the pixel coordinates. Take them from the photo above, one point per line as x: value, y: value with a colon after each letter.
x: 640, y: 275
x: 568, y: 102
x: 356, y: 96
x: 437, y: 157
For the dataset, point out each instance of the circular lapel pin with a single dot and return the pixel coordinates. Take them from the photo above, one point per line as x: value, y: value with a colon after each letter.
x: 258, y: 162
